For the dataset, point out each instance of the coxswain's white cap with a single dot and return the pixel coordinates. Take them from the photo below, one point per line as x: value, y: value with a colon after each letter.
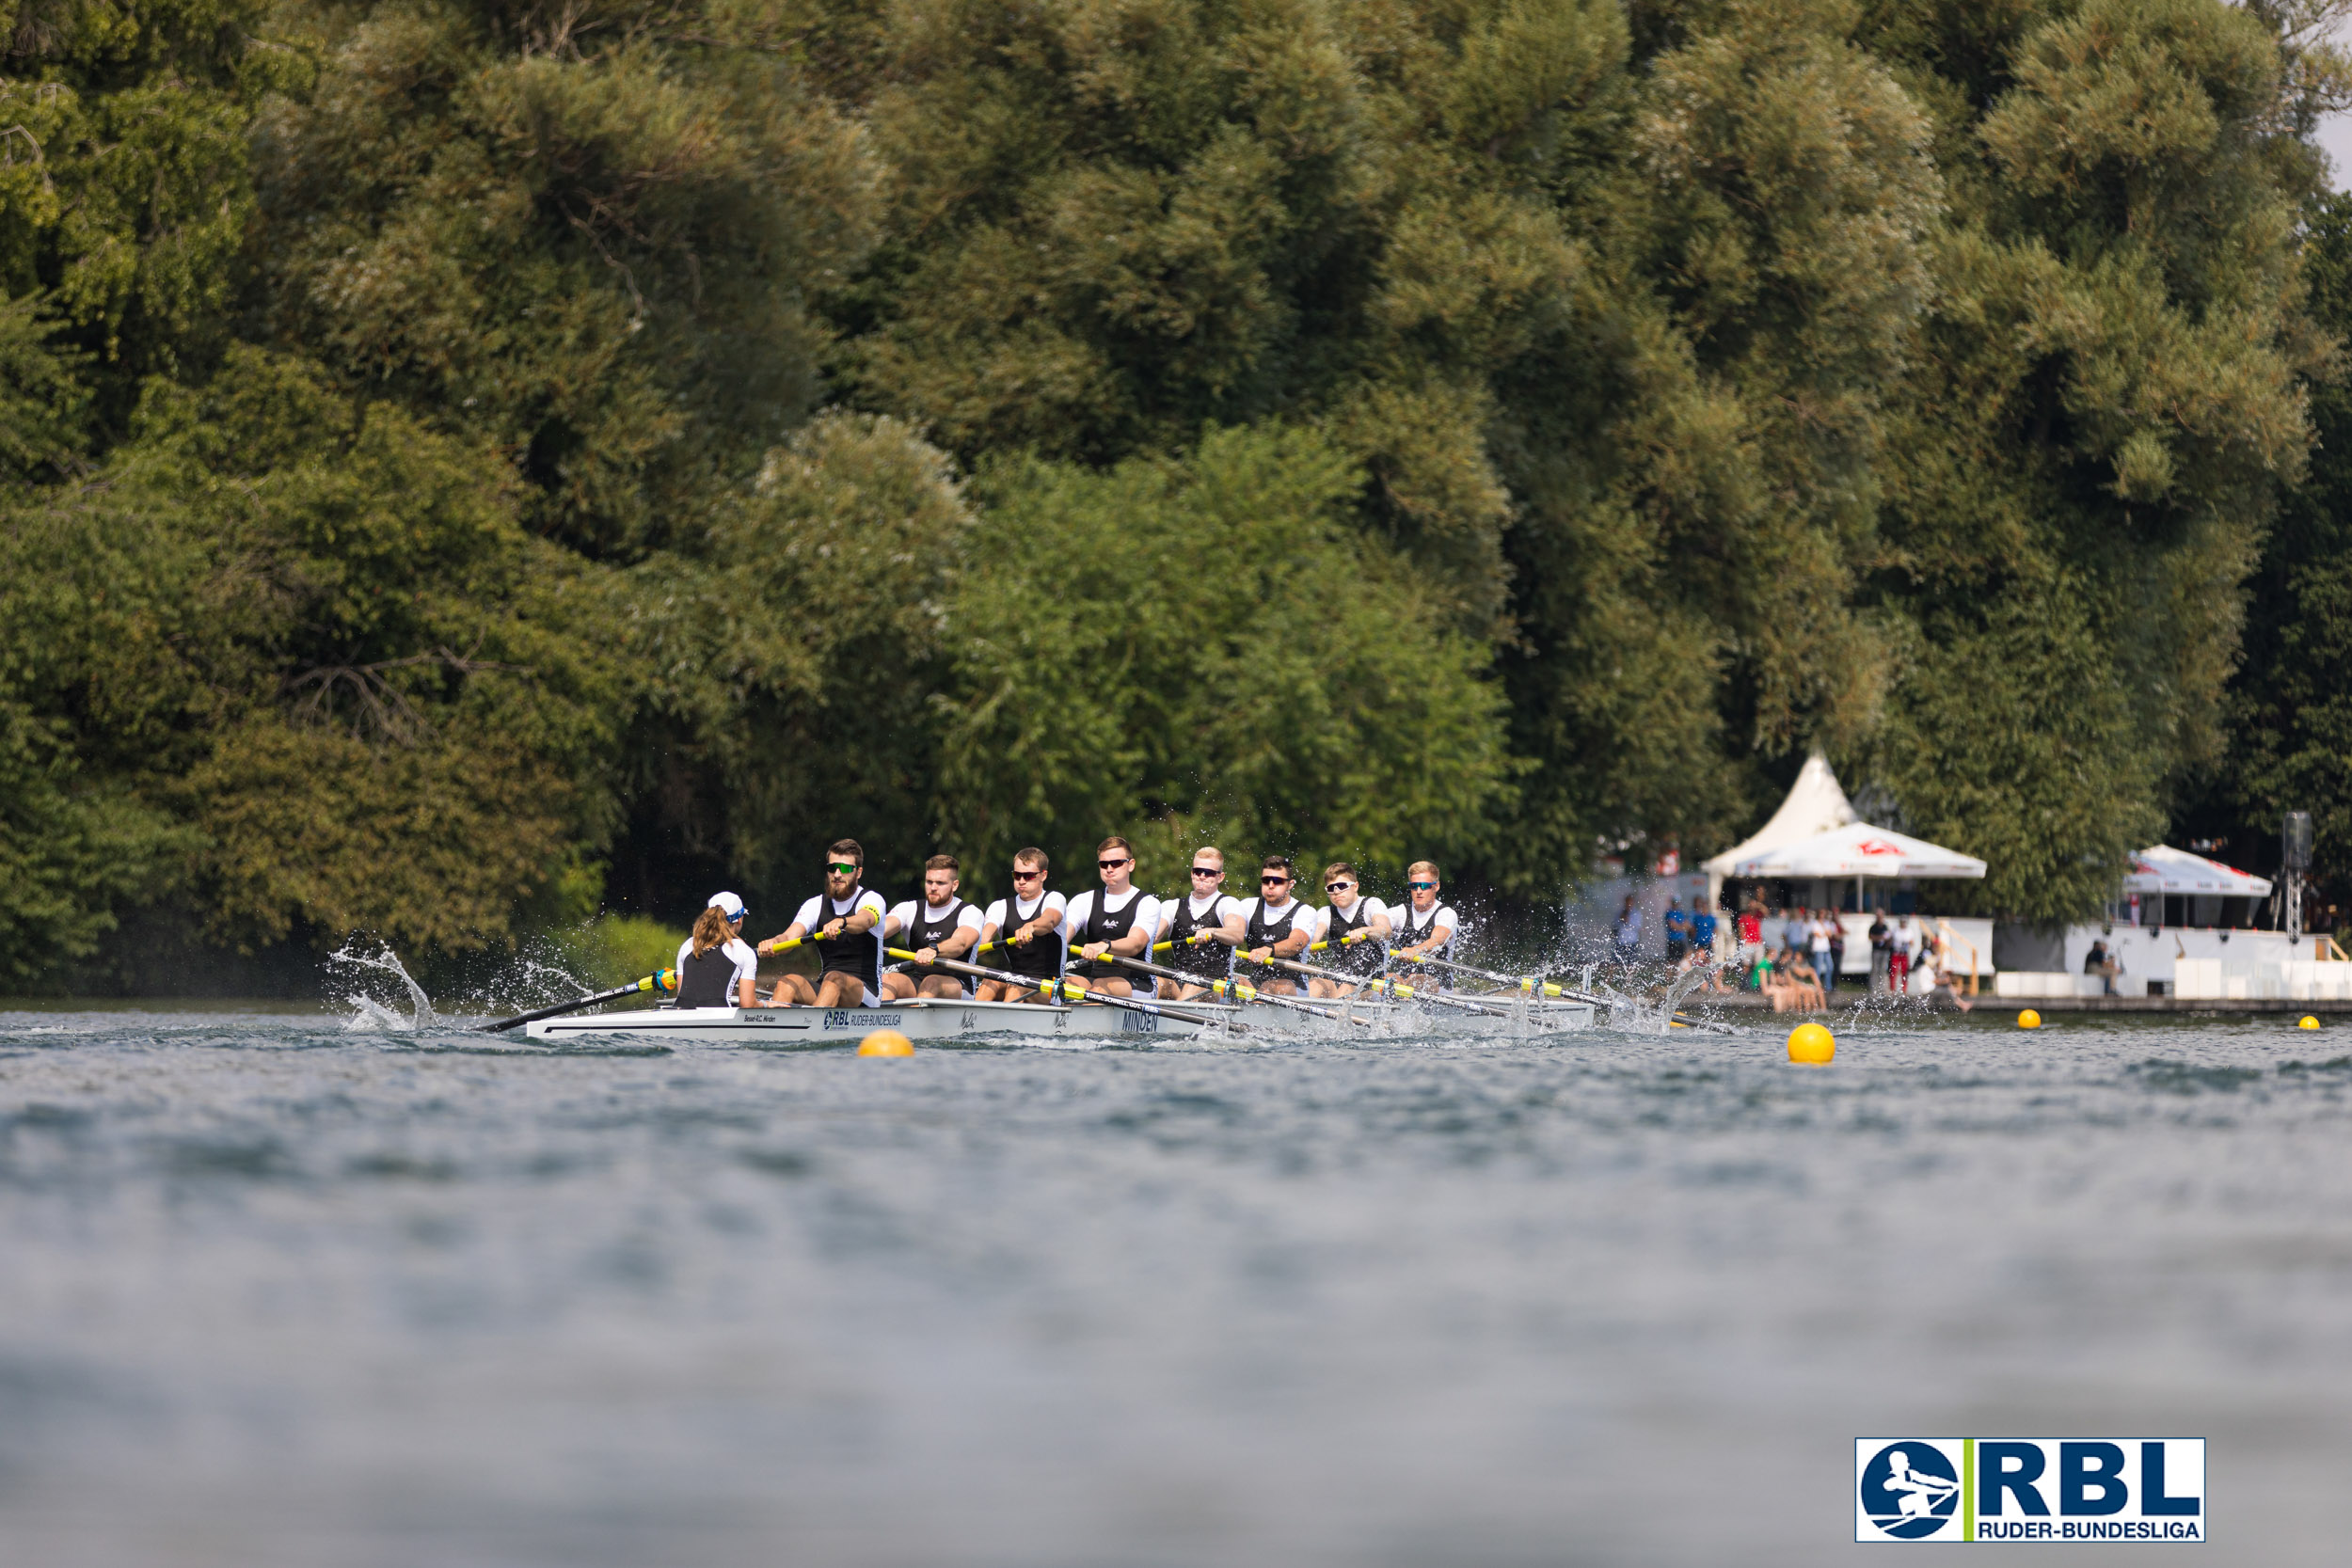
x: 727, y: 904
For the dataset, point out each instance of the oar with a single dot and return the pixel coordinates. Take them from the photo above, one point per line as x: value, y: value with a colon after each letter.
x: 660, y: 979
x: 1528, y: 983
x: 1389, y: 987
x: 1240, y: 989
x: 1072, y: 990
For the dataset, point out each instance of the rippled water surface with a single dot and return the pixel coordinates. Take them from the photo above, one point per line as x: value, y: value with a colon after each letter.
x: 272, y: 1292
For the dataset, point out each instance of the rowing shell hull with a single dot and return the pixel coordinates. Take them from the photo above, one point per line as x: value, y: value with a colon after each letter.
x: 926, y: 1020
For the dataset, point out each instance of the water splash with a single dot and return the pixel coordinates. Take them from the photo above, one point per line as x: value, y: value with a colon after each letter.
x: 356, y: 970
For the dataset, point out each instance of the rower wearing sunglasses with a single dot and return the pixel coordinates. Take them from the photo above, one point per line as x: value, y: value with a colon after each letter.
x: 1272, y: 926
x: 1353, y: 933
x: 1029, y: 921
x: 845, y: 921
x: 1194, y: 929
x: 1118, y: 919
x: 1422, y: 926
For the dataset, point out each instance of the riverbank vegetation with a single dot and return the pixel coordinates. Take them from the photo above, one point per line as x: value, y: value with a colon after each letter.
x: 464, y: 464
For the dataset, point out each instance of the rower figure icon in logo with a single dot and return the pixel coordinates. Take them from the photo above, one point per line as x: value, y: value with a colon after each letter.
x: 1909, y: 1490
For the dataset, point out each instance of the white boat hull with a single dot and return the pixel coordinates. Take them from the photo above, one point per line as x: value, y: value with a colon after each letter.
x: 927, y: 1019
x: 923, y: 1020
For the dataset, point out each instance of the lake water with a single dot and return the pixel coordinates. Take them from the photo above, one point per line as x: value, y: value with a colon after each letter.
x: 275, y: 1294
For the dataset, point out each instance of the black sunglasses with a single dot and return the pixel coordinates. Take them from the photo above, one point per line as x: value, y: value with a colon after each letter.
x: 1028, y: 876
x: 842, y: 869
x: 1206, y: 871
x: 1113, y: 865
x: 1272, y: 882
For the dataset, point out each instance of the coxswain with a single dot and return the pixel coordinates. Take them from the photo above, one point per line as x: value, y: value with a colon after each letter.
x: 845, y: 921
x: 1119, y: 918
x: 1022, y: 932
x: 1272, y: 926
x: 938, y: 925
x: 1421, y: 928
x: 716, y: 967
x: 1353, y: 931
x: 1192, y: 930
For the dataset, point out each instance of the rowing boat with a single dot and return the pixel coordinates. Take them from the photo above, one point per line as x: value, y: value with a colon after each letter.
x: 931, y: 1019
x: 924, y: 1019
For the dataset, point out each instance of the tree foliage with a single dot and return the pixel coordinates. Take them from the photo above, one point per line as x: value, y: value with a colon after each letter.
x: 457, y: 455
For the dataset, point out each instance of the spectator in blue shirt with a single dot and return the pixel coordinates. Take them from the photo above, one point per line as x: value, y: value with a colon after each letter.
x: 1677, y: 924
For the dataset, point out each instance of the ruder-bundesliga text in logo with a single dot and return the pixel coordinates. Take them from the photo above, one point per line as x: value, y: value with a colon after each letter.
x: 2029, y: 1488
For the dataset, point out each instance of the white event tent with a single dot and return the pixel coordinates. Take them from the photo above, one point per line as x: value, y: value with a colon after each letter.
x: 1816, y: 834
x: 2165, y: 869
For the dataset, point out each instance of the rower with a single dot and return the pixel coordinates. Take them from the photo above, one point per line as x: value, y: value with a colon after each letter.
x: 1029, y: 922
x: 939, y: 926
x: 1194, y: 927
x: 1423, y: 927
x: 845, y: 921
x: 1269, y: 926
x: 1119, y: 919
x: 716, y: 968
x: 1353, y: 931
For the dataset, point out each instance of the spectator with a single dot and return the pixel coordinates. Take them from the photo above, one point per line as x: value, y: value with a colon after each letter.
x: 1628, y: 931
x: 1702, y: 942
x: 1677, y: 932
x: 1902, y: 945
x: 2097, y: 963
x: 1824, y: 966
x: 1752, y: 935
x: 1836, y: 948
x: 1933, y: 980
x: 1794, y: 936
x: 1882, y: 953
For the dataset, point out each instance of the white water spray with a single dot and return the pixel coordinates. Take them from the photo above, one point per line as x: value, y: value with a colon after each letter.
x: 353, y: 965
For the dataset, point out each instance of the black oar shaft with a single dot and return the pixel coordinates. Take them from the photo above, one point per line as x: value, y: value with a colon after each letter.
x: 1053, y: 988
x: 662, y: 979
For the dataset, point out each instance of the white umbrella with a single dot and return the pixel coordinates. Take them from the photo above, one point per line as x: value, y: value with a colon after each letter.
x: 1859, y: 850
x: 2165, y: 869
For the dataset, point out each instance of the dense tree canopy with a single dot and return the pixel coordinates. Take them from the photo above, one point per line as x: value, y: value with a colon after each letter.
x: 461, y: 462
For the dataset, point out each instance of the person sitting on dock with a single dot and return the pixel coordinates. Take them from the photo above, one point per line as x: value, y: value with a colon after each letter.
x: 716, y: 967
x: 2097, y: 963
x: 845, y: 922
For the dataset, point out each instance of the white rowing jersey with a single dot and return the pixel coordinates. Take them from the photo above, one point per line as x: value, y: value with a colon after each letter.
x: 737, y: 952
x: 967, y: 918
x: 1081, y: 909
x: 839, y: 908
x: 1300, y: 915
x: 1363, y: 910
x: 1025, y: 911
x: 1409, y: 927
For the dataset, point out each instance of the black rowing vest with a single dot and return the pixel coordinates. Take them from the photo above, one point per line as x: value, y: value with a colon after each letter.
x: 1363, y: 957
x: 1261, y: 934
x: 1104, y: 925
x: 860, y: 955
x: 705, y: 981
x: 1211, y: 960
x: 924, y: 932
x: 1040, y: 958
x: 1407, y: 934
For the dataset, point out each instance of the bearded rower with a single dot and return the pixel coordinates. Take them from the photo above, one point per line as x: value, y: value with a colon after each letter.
x: 845, y: 921
x: 1194, y: 929
x: 938, y: 925
x: 1423, y: 927
x: 1272, y: 926
x: 1353, y: 931
x: 1119, y: 918
x: 1028, y: 921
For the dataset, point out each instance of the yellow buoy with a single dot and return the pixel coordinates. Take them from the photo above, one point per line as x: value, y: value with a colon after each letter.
x: 1811, y: 1043
x: 2308, y: 1022
x: 2029, y: 1020
x: 885, y: 1042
